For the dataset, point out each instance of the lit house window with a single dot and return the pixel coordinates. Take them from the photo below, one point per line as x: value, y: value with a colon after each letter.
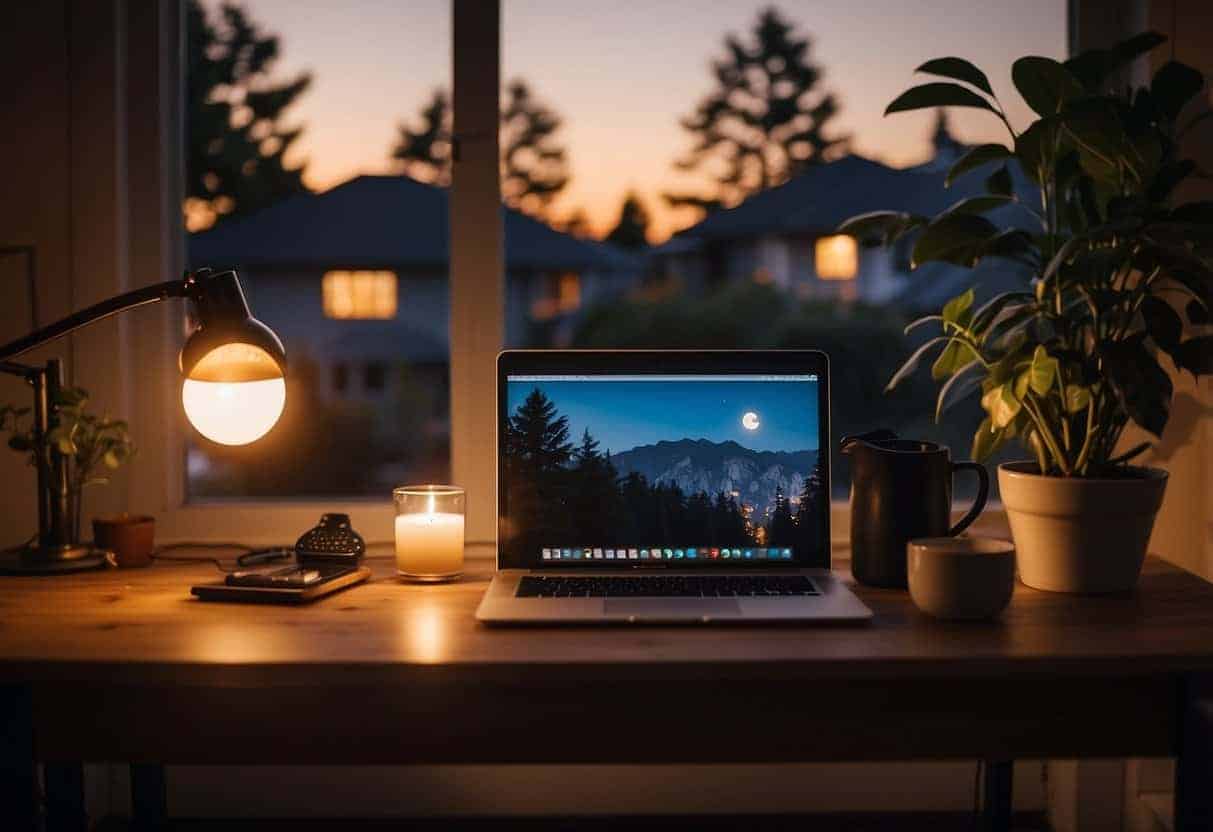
x: 359, y: 295
x: 837, y: 257
x: 561, y: 295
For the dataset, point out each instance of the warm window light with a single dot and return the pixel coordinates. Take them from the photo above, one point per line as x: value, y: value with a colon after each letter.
x: 359, y: 295
x: 837, y: 257
x: 563, y: 296
x: 234, y: 394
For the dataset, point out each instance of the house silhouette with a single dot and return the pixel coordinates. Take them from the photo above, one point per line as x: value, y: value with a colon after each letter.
x: 772, y: 236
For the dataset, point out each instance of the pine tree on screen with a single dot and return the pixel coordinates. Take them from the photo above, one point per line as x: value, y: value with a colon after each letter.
x: 766, y: 120
x: 237, y: 138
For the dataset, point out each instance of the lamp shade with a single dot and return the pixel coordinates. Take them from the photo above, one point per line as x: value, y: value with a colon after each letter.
x: 234, y: 366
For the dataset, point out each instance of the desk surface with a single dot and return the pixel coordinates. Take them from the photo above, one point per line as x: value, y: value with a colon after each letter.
x: 142, y: 626
x: 404, y: 674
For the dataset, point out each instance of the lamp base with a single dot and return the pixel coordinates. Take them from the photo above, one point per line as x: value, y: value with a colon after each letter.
x: 35, y: 560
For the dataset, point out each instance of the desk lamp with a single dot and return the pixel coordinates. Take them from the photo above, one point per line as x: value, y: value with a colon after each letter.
x: 234, y: 390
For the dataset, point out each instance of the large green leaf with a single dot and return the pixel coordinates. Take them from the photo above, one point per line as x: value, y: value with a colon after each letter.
x: 1014, y: 243
x: 1077, y: 397
x: 1044, y: 83
x: 979, y: 204
x: 957, y: 310
x: 1002, y: 405
x: 958, y: 69
x: 986, y: 441
x: 953, y: 357
x: 1162, y: 322
x: 1141, y: 387
x: 1035, y: 146
x: 886, y: 226
x: 911, y: 363
x: 953, y: 238
x: 1042, y: 372
x: 1173, y: 86
x: 989, y: 311
x: 999, y: 182
x: 958, y: 387
x: 1095, y: 126
x: 937, y: 94
x: 1093, y: 66
x: 974, y: 158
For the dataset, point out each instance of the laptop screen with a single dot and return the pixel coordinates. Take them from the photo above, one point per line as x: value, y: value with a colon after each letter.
x: 683, y: 470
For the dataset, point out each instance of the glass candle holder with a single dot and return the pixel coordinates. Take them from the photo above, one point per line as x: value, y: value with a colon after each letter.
x: 429, y: 532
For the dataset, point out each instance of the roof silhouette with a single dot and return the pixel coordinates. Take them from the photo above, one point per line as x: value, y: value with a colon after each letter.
x: 378, y: 222
x: 823, y: 196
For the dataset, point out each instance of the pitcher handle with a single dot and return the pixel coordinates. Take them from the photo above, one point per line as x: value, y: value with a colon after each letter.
x: 983, y: 493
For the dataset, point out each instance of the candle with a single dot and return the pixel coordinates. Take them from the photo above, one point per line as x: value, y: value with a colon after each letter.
x: 429, y: 532
x: 429, y: 544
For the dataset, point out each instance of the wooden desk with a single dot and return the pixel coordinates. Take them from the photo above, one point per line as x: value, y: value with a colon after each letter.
x: 126, y: 666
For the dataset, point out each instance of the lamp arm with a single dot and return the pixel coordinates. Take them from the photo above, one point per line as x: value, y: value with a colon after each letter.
x: 91, y: 314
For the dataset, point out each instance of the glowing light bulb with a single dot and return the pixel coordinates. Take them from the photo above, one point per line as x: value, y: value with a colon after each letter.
x: 234, y: 395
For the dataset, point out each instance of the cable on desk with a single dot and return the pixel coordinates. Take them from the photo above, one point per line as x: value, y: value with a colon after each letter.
x: 252, y: 556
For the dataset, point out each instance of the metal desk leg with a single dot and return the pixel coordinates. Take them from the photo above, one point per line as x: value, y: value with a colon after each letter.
x: 65, y: 811
x: 996, y: 796
x: 18, y: 778
x: 149, y: 800
x: 1194, y: 767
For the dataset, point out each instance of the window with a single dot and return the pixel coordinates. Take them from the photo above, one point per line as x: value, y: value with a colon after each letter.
x: 292, y: 173
x: 837, y: 257
x: 359, y: 295
x: 701, y: 189
x: 559, y: 294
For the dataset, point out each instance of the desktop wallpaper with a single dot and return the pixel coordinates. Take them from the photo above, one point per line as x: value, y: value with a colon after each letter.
x: 680, y: 462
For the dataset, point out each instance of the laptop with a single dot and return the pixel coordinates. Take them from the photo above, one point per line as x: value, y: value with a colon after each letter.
x: 664, y: 487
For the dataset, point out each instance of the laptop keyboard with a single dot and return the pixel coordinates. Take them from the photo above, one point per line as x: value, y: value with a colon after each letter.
x: 664, y: 586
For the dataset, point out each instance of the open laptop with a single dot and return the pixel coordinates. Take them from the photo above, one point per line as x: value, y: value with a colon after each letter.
x: 659, y: 487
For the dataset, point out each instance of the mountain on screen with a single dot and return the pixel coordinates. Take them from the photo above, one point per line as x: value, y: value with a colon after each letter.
x: 701, y: 465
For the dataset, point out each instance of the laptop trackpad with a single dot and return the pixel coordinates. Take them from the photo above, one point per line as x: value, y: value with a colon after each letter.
x: 671, y: 608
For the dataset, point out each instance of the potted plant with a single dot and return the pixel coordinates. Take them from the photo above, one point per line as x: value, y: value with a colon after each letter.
x: 93, y: 445
x: 1117, y: 269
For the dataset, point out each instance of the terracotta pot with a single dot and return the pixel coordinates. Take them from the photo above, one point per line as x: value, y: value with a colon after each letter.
x: 1080, y: 535
x: 130, y: 537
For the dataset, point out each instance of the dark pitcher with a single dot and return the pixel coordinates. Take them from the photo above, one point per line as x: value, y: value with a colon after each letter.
x: 900, y: 489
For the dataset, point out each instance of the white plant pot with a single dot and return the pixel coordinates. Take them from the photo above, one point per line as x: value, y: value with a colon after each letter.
x: 1080, y: 535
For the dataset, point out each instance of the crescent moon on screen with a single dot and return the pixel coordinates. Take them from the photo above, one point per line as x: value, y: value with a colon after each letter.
x: 750, y: 420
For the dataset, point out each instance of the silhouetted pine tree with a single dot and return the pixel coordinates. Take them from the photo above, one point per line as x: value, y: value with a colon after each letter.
x: 595, y: 499
x: 235, y: 137
x: 782, y: 528
x: 534, y: 164
x: 632, y: 229
x: 765, y: 121
x: 425, y: 154
x: 537, y: 457
x: 810, y: 511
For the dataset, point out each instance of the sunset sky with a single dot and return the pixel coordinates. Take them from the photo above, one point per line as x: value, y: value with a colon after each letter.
x: 622, y: 73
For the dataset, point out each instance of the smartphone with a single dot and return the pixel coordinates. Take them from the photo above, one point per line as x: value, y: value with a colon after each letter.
x: 289, y: 577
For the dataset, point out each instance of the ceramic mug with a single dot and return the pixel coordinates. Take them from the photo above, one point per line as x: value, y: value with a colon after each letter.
x: 961, y: 577
x: 130, y: 537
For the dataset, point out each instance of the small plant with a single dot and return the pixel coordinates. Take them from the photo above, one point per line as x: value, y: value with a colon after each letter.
x: 94, y: 445
x: 1065, y: 364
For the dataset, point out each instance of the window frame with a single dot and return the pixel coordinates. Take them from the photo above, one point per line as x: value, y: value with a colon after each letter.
x: 477, y: 292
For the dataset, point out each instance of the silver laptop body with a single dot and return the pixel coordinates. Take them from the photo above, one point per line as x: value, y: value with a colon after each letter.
x: 705, y: 471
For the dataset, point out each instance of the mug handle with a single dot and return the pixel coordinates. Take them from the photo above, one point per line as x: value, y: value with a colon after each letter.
x: 983, y: 493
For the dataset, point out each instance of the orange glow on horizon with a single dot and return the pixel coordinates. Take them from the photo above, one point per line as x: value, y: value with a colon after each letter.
x: 620, y: 89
